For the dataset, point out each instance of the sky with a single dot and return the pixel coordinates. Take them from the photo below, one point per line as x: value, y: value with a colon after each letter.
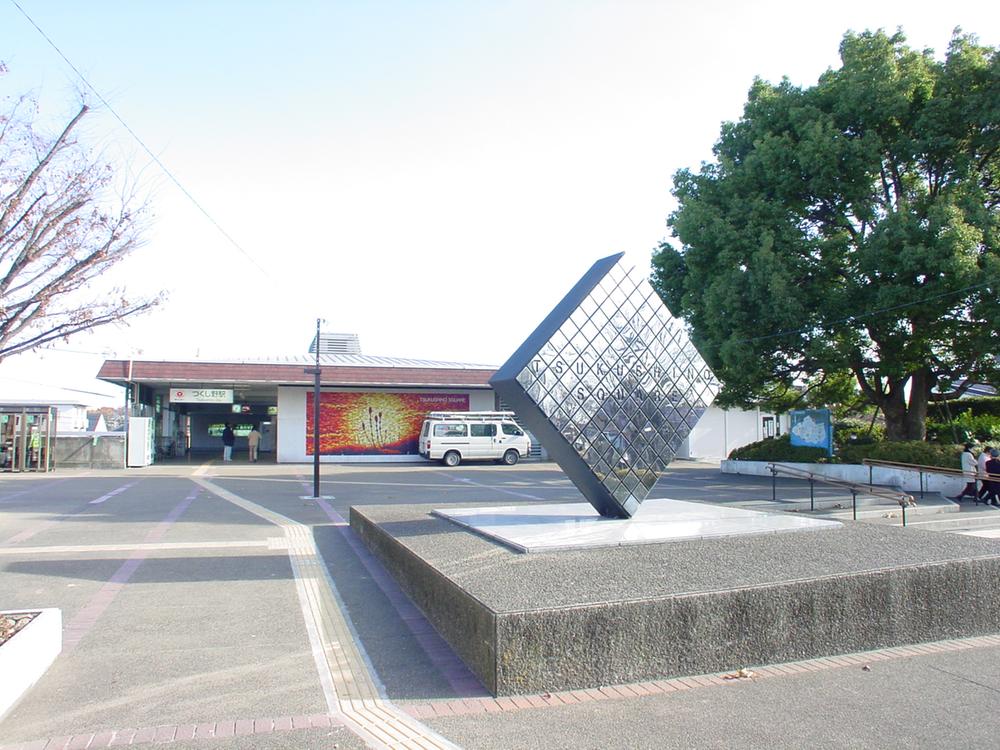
x: 432, y: 176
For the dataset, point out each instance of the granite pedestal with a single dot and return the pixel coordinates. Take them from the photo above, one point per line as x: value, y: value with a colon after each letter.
x: 575, y: 618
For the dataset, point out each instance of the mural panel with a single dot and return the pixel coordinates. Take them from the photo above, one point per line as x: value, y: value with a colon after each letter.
x: 376, y: 423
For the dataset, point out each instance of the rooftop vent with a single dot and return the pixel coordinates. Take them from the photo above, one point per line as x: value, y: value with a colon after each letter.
x: 336, y: 343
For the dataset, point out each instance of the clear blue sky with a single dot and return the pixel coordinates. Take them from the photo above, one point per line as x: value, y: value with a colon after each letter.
x: 433, y: 176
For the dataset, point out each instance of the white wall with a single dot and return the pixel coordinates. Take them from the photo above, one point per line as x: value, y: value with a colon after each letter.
x: 291, y: 421
x: 720, y: 431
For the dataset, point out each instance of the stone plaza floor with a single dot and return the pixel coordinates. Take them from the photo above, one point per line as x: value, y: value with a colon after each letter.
x: 202, y: 610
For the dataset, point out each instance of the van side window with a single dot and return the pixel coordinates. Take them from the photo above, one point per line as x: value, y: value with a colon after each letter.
x: 511, y: 429
x: 444, y: 429
x: 483, y: 430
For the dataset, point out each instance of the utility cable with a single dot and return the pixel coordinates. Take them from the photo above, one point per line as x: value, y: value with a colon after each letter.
x: 861, y: 316
x: 144, y: 147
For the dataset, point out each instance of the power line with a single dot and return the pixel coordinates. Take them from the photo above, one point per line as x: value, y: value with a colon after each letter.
x: 879, y: 311
x: 144, y: 147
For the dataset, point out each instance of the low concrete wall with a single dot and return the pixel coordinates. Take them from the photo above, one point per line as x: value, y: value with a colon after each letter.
x: 904, y: 480
x: 26, y: 656
x: 95, y: 450
x: 582, y: 618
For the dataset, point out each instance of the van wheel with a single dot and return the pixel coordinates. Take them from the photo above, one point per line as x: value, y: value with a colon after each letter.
x: 510, y: 457
x: 451, y: 458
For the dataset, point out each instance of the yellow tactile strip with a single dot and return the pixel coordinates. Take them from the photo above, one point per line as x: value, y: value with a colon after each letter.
x: 348, y: 685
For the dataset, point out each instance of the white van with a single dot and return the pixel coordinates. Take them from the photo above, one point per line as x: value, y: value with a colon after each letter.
x: 454, y: 436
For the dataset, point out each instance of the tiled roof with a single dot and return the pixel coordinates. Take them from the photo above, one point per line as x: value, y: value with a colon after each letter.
x: 342, y: 370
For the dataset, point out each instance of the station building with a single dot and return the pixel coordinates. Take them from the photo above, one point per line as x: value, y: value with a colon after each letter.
x: 371, y: 408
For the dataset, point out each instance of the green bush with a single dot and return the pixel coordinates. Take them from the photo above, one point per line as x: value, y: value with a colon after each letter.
x: 907, y: 452
x: 778, y: 449
x: 856, y: 432
x: 984, y: 428
x: 945, y: 411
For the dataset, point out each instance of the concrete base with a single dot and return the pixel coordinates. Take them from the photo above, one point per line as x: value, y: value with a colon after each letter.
x: 588, y: 617
x: 26, y: 656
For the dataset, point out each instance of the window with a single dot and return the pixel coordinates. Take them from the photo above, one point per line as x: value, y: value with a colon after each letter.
x: 483, y: 430
x: 450, y: 430
x: 511, y: 429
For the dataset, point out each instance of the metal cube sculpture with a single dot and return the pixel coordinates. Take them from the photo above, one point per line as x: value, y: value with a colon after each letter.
x: 611, y: 385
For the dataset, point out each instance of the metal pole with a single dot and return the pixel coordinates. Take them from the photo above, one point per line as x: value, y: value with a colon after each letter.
x: 870, y: 480
x: 904, y: 514
x: 812, y: 497
x: 921, y: 485
x: 316, y: 390
x: 854, y: 503
x: 774, y: 485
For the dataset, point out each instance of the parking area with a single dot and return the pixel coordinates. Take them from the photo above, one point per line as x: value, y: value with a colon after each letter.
x: 223, y: 606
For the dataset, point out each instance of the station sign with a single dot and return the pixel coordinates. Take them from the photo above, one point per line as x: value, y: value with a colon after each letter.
x: 201, y: 395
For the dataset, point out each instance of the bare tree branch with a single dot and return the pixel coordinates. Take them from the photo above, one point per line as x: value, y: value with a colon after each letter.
x: 61, y: 228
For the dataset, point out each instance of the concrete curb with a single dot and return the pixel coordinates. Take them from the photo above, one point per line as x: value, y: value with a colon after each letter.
x: 26, y: 656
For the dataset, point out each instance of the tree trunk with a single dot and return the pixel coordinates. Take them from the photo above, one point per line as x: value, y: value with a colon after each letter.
x: 907, y: 420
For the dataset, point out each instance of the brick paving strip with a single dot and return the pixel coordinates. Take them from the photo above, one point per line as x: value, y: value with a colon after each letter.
x: 166, y: 734
x: 507, y: 704
x: 352, y: 694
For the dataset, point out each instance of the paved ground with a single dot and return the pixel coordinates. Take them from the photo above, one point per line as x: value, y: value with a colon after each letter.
x: 200, y: 612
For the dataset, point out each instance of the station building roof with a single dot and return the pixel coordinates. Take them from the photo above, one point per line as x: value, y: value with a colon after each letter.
x: 345, y: 370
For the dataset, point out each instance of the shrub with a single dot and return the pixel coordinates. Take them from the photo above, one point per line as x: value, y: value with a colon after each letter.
x: 945, y: 411
x: 966, y: 427
x: 778, y: 449
x: 907, y: 452
x: 856, y: 432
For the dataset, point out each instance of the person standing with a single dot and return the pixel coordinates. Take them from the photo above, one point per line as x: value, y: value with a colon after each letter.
x: 993, y: 485
x: 984, y: 457
x: 253, y: 441
x: 969, y: 467
x: 228, y: 441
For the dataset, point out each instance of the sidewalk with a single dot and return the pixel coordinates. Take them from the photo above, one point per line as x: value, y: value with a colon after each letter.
x: 202, y: 609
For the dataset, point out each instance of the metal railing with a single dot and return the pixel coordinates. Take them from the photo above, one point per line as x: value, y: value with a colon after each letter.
x: 923, y: 470
x: 904, y: 499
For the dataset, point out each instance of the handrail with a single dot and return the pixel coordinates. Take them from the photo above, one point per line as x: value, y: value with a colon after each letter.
x: 904, y: 499
x: 922, y: 469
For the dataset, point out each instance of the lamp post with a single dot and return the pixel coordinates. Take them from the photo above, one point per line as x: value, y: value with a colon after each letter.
x: 315, y: 372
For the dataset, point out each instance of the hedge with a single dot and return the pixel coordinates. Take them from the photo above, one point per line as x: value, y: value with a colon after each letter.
x: 907, y: 452
x: 984, y: 428
x: 945, y: 411
x: 778, y: 449
x: 912, y: 452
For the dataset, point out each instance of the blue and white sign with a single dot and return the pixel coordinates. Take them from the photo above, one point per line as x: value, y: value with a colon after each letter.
x: 813, y: 428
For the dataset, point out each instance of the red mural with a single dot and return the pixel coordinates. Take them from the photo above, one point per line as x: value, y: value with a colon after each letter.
x: 375, y: 423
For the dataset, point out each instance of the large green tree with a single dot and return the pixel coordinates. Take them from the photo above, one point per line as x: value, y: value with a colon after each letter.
x: 850, y: 227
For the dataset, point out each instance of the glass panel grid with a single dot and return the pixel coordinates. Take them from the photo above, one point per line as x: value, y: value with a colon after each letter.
x: 622, y: 383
